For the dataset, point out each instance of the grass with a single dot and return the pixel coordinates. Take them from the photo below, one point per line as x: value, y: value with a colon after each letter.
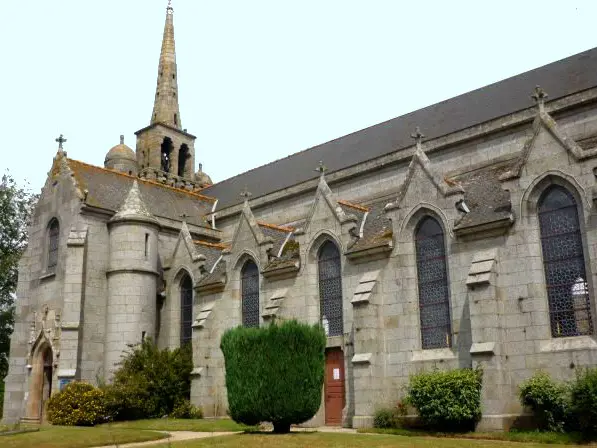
x: 331, y: 440
x: 513, y: 436
x: 75, y: 437
x: 168, y: 424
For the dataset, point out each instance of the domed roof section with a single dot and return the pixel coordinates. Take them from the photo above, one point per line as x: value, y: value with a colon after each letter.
x: 121, y: 151
x: 202, y: 177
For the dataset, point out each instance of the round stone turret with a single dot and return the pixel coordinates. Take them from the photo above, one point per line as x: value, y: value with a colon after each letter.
x: 121, y: 158
x: 132, y: 278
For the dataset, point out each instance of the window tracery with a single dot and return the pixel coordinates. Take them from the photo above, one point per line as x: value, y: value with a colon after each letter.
x: 53, y: 243
x: 250, y: 294
x: 434, y: 302
x: 186, y: 310
x: 330, y: 289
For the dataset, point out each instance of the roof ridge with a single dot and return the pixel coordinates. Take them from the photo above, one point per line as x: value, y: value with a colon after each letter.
x: 353, y: 205
x: 140, y: 179
x: 208, y: 244
x: 276, y: 227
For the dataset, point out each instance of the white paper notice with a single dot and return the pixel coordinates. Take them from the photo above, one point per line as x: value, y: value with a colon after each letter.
x: 336, y: 374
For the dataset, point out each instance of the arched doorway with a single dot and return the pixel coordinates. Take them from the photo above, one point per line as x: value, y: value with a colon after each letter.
x: 40, y: 388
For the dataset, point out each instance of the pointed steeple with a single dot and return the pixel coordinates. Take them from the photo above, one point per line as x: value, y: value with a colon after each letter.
x: 165, y: 108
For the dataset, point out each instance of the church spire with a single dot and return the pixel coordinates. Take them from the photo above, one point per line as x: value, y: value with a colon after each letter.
x: 165, y: 108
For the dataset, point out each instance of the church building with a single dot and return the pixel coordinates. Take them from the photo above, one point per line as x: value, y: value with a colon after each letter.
x: 459, y: 235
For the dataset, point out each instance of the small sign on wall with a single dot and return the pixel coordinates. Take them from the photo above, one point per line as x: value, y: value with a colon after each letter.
x: 62, y: 383
x: 336, y: 374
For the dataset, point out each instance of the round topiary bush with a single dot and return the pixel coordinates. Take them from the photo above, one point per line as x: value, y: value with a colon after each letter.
x: 274, y: 374
x: 78, y: 404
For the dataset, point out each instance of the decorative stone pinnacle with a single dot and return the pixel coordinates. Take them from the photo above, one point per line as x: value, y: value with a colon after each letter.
x: 539, y: 96
x: 122, y: 139
x: 246, y: 194
x: 170, y: 9
x: 321, y: 169
x: 61, y: 140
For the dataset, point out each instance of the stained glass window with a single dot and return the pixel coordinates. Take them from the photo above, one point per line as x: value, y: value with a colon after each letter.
x: 186, y: 310
x: 250, y: 294
x: 434, y: 303
x: 330, y: 289
x: 53, y: 239
x: 564, y: 264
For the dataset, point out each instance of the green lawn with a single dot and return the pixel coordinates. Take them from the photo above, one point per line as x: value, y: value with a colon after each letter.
x: 168, y: 424
x: 74, y: 437
x: 327, y: 440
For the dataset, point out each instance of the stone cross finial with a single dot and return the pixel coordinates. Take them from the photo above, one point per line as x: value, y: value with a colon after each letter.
x: 169, y: 9
x: 321, y: 169
x: 246, y: 194
x: 184, y: 216
x: 539, y: 96
x: 61, y: 140
x: 122, y: 139
x: 418, y: 137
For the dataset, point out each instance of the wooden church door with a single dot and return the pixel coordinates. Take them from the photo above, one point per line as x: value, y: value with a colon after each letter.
x: 334, y: 387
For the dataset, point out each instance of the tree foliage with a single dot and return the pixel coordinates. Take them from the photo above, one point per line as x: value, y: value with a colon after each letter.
x: 16, y: 205
x: 150, y: 382
x: 274, y: 374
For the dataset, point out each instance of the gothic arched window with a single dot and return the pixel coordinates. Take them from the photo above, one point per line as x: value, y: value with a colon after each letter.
x: 53, y: 241
x: 186, y: 310
x: 330, y: 289
x: 434, y: 302
x: 564, y: 264
x: 250, y: 294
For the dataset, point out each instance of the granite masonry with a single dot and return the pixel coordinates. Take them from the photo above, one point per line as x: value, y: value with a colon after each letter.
x: 475, y: 245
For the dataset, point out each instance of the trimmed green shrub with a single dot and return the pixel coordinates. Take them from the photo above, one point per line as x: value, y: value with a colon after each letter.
x: 390, y: 417
x: 547, y: 399
x: 583, y: 399
x: 447, y: 401
x: 184, y: 409
x: 78, y: 404
x: 274, y: 374
x: 149, y: 382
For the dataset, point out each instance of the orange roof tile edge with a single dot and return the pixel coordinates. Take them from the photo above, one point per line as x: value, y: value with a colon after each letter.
x: 275, y: 227
x: 216, y: 245
x: 139, y: 179
x: 351, y: 205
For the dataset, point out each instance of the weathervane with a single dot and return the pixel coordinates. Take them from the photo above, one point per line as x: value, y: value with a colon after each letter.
x: 169, y: 9
x: 61, y: 140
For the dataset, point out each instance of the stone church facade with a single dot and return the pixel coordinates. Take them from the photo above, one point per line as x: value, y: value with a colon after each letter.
x: 475, y: 245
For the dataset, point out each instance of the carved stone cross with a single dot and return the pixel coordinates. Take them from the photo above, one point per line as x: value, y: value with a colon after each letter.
x: 539, y: 96
x: 184, y: 216
x: 61, y: 140
x: 321, y: 169
x: 246, y: 194
x: 417, y: 135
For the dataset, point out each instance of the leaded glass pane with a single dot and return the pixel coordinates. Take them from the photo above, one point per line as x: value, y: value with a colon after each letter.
x: 564, y: 264
x: 434, y: 304
x: 250, y: 294
x: 53, y: 238
x: 186, y: 310
x: 330, y: 289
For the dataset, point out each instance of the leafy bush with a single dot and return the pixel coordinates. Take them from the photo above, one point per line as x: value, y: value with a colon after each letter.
x: 390, y: 417
x: 78, y: 404
x: 274, y: 374
x: 548, y: 400
x: 184, y: 409
x: 447, y: 401
x: 583, y: 399
x: 149, y: 382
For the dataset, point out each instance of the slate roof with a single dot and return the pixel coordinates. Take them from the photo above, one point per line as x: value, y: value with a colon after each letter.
x: 108, y: 189
x: 558, y: 79
x: 484, y: 195
x: 211, y: 252
x: 278, y: 235
x: 377, y: 230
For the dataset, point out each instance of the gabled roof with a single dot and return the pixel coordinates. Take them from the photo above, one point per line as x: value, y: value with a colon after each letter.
x: 559, y: 79
x: 108, y: 189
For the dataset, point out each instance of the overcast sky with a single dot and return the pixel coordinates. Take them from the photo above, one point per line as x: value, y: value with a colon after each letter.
x: 258, y: 80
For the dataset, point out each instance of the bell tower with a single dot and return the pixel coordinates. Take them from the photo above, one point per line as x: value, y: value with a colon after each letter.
x: 166, y: 152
